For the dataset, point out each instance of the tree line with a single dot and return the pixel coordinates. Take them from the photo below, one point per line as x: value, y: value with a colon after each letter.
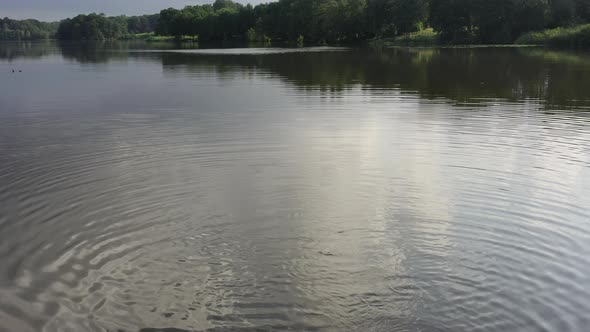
x: 26, y: 29
x: 317, y: 21
x: 456, y: 21
x: 101, y: 27
x: 81, y: 27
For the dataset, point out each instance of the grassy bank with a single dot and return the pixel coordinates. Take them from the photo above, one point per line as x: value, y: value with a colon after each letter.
x: 570, y: 37
x: 426, y: 37
x: 152, y: 37
x: 137, y: 36
x: 573, y: 37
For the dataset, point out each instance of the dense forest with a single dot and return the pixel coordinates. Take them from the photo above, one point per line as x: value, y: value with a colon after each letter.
x: 89, y: 27
x: 456, y: 21
x: 317, y: 21
x: 26, y: 29
x: 100, y: 27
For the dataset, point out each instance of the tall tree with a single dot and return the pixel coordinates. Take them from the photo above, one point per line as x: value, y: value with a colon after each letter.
x: 453, y: 19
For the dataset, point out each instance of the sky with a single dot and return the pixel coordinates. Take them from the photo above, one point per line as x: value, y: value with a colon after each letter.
x: 54, y: 10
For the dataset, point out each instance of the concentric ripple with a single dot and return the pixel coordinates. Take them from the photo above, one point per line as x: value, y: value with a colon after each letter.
x: 294, y: 190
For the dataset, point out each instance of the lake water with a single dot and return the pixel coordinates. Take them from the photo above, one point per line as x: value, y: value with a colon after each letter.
x: 144, y: 188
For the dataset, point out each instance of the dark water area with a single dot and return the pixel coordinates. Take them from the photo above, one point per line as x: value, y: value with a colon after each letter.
x: 148, y: 188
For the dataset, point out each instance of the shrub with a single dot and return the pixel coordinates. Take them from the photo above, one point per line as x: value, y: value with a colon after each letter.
x: 573, y: 37
x: 422, y: 37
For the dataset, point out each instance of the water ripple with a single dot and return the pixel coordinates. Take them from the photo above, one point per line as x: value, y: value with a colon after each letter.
x: 259, y: 196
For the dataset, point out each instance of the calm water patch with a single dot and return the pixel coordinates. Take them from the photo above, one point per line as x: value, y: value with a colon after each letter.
x: 309, y: 190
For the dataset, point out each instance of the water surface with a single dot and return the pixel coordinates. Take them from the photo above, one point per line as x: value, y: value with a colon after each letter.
x: 324, y: 189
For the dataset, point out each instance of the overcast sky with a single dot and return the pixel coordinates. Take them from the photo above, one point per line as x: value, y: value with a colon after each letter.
x: 52, y: 10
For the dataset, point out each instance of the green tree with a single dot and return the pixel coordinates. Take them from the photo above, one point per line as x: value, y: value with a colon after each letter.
x: 92, y: 27
x: 583, y: 10
x: 492, y: 20
x: 221, y: 4
x: 529, y: 15
x: 453, y: 19
x: 563, y: 12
